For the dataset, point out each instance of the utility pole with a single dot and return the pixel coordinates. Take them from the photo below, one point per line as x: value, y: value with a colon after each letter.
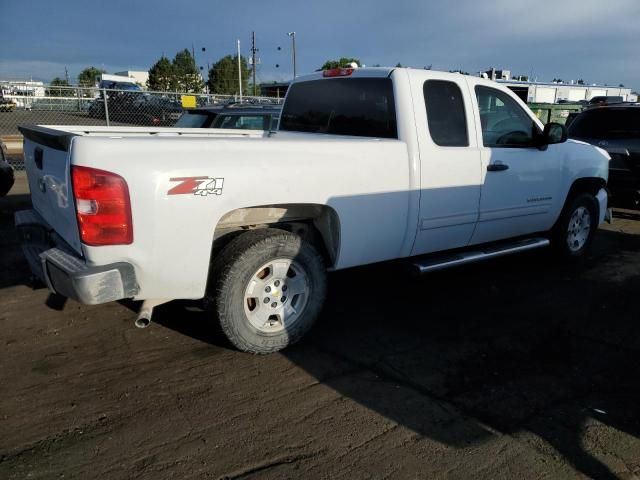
x: 239, y: 73
x: 293, y: 43
x: 202, y: 77
x: 66, y: 75
x: 253, y: 60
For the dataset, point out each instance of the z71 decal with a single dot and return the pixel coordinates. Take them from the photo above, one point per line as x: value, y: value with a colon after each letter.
x: 197, y: 186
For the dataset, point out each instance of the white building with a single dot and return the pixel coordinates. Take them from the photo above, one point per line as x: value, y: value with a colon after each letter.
x: 538, y: 92
x: 138, y: 77
x: 541, y: 92
x: 26, y: 88
x: 22, y: 93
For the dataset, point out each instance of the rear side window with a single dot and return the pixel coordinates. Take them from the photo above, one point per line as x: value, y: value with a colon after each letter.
x: 445, y: 113
x: 607, y: 124
x: 362, y: 107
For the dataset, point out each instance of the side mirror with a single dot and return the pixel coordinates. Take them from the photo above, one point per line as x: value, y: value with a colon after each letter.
x: 554, y: 133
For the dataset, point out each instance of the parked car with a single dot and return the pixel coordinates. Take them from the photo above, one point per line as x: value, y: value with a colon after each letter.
x: 615, y: 128
x: 367, y: 165
x: 119, y: 101
x: 148, y: 109
x: 238, y: 116
x: 605, y: 100
x: 137, y: 108
x: 570, y: 118
x: 6, y: 172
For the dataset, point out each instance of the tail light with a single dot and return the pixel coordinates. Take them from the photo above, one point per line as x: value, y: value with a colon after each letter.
x: 103, y: 207
x: 337, y: 72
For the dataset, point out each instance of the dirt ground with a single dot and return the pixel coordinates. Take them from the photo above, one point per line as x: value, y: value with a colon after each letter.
x: 516, y: 368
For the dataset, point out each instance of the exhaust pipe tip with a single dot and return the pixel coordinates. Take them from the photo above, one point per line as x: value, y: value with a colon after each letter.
x: 146, y: 311
x: 143, y: 322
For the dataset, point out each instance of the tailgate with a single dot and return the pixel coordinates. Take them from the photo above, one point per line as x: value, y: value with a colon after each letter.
x: 46, y: 158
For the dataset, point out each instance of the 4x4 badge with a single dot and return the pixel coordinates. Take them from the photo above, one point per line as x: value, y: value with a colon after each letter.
x: 197, y: 186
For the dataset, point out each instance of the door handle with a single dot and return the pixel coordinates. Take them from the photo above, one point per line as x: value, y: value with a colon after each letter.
x: 497, y: 167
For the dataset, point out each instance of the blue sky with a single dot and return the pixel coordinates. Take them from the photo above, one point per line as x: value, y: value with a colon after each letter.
x: 596, y: 40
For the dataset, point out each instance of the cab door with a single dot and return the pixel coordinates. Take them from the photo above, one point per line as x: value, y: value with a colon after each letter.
x: 449, y: 161
x: 520, y: 182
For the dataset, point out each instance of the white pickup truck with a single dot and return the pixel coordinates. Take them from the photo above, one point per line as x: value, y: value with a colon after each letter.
x: 368, y: 165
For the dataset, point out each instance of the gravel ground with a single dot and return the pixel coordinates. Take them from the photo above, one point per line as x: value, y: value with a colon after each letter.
x: 518, y: 368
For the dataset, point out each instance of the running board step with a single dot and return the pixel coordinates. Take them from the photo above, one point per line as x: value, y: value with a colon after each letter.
x: 452, y: 260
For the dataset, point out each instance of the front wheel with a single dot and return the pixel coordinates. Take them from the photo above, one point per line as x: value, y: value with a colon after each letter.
x: 270, y: 286
x: 573, y: 233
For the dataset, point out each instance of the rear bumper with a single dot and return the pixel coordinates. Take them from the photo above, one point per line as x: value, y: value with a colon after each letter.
x: 67, y: 274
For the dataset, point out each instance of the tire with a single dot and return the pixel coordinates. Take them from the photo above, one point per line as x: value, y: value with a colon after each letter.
x: 573, y: 233
x: 269, y: 288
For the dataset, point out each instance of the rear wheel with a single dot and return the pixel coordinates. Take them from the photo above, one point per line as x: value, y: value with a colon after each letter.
x: 269, y: 289
x: 573, y: 233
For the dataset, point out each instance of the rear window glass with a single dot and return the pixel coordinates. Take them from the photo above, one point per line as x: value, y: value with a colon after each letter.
x: 341, y: 106
x: 245, y: 122
x: 445, y: 113
x: 192, y: 120
x: 607, y: 123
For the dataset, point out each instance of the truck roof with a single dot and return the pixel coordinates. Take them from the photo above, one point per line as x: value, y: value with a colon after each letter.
x: 381, y: 72
x: 356, y: 72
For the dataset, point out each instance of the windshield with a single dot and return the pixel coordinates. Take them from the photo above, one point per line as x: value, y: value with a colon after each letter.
x: 192, y: 120
x: 341, y: 106
x: 607, y: 124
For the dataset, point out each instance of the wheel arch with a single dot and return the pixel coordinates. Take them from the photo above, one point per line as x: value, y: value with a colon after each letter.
x: 591, y: 185
x: 319, y: 224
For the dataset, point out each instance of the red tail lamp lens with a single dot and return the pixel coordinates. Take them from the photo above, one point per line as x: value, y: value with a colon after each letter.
x: 103, y: 207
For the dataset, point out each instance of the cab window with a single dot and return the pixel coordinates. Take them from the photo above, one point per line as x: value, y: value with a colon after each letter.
x: 504, y: 122
x: 445, y: 113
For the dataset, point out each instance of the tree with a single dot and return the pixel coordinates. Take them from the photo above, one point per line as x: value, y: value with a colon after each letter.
x: 187, y: 75
x: 342, y: 63
x: 399, y: 65
x: 223, y: 75
x: 57, y: 92
x: 89, y: 76
x: 621, y: 85
x: 580, y: 81
x: 162, y: 77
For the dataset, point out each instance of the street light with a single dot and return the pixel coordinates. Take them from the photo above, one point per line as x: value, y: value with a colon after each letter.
x: 293, y: 43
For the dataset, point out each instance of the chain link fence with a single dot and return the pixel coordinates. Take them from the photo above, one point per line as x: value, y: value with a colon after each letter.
x: 100, y: 107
